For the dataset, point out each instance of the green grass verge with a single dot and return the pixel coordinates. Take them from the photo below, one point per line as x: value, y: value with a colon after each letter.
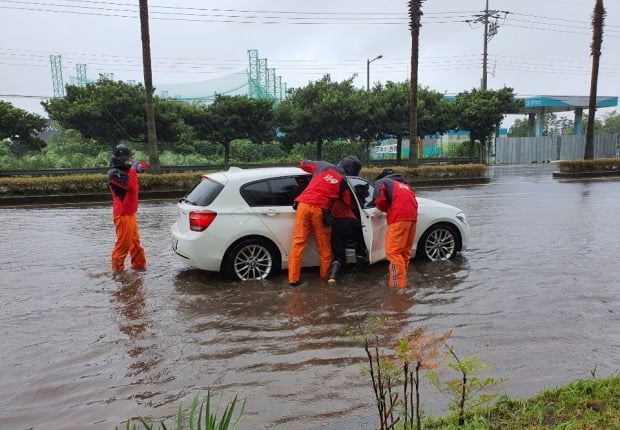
x: 592, y: 404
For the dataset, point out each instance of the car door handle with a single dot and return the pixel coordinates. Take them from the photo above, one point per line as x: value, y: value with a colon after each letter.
x: 271, y: 213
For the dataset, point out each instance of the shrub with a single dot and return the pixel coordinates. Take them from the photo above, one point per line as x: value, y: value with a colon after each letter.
x: 598, y: 165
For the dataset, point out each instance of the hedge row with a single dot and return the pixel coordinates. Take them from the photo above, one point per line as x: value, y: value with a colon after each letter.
x: 97, y: 183
x: 598, y: 165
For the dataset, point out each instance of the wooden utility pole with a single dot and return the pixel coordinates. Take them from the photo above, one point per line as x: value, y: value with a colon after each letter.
x: 489, y: 20
x: 598, y: 19
x: 485, y: 48
x: 151, y: 135
x: 415, y: 16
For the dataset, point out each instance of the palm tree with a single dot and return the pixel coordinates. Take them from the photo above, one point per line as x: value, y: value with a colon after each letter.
x: 415, y: 15
x: 598, y: 19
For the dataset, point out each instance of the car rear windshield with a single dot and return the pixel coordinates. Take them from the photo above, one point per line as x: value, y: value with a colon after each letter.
x: 203, y: 193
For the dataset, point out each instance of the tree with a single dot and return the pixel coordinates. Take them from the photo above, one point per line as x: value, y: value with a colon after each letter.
x: 435, y: 113
x: 481, y: 111
x: 176, y: 124
x: 238, y: 117
x: 391, y: 106
x: 519, y: 128
x: 598, y: 125
x: 555, y: 125
x: 107, y: 111
x: 391, y: 112
x: 20, y: 128
x: 611, y: 122
x: 110, y: 112
x: 323, y: 111
x: 598, y: 19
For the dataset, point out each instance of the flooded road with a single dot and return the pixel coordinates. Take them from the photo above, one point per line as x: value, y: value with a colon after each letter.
x: 537, y: 297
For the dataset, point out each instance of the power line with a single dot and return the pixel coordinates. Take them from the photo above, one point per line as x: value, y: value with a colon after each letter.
x: 557, y: 31
x: 235, y: 16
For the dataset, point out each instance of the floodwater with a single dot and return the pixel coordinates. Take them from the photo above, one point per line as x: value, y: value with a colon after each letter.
x: 536, y: 297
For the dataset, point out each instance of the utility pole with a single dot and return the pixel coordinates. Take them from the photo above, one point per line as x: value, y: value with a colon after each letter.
x: 485, y: 49
x: 151, y: 134
x: 489, y: 20
x: 415, y: 17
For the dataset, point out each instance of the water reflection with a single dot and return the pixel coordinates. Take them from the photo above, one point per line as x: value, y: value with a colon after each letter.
x: 437, y: 282
x: 130, y: 301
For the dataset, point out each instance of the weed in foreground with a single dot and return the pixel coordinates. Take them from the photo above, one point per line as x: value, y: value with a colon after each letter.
x: 201, y: 417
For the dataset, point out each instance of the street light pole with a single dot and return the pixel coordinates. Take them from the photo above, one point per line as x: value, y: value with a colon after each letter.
x: 368, y: 71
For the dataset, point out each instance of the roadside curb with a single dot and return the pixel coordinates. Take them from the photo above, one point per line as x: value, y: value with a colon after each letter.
x: 586, y: 175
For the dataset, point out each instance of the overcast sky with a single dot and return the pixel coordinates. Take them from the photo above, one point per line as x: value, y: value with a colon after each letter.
x: 541, y: 47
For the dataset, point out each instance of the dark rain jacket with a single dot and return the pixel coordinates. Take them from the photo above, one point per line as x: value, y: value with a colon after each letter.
x: 124, y: 186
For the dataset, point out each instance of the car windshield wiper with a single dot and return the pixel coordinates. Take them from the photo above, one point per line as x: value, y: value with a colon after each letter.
x: 184, y: 200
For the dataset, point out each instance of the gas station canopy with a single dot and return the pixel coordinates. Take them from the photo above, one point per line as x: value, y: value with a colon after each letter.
x: 537, y: 106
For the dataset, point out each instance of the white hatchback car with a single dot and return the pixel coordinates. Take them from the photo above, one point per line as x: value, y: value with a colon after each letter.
x: 240, y: 222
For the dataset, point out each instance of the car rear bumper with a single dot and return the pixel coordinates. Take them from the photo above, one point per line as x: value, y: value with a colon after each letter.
x: 194, y: 253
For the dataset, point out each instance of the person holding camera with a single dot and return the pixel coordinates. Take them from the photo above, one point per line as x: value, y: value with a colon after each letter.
x: 124, y: 187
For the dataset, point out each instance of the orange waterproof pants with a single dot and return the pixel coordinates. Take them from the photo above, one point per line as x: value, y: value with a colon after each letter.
x: 127, y: 242
x: 309, y: 219
x: 398, y: 242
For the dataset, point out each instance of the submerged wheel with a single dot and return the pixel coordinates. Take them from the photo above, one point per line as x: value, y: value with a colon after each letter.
x: 440, y: 242
x: 252, y: 259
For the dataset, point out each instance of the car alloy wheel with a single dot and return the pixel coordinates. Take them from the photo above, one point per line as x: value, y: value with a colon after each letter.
x: 252, y: 259
x: 439, y: 243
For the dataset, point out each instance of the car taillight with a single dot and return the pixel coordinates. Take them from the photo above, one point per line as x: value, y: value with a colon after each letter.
x: 200, y: 220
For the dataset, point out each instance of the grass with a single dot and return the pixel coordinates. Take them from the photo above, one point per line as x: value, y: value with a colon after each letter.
x: 592, y: 404
x: 202, y: 416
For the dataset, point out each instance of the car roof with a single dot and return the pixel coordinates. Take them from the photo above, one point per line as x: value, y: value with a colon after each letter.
x: 239, y: 174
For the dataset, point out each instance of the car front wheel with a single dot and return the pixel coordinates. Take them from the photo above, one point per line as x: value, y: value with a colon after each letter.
x: 440, y: 242
x: 252, y: 259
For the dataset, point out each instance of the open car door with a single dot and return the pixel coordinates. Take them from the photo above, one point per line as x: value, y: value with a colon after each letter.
x: 373, y: 222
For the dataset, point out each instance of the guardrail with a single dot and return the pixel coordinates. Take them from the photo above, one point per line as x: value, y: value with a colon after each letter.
x: 215, y: 167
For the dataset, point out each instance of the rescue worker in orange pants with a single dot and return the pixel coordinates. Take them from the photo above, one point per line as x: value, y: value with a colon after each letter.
x: 124, y: 186
x: 313, y: 204
x: 394, y: 196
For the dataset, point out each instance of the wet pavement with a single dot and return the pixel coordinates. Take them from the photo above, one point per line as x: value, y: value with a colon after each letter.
x: 537, y: 297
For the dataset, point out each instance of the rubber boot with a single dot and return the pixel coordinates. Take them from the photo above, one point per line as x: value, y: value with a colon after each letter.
x: 361, y: 260
x: 333, y: 272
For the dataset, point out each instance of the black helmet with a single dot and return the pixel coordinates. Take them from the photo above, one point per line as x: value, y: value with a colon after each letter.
x: 122, y: 153
x: 351, y: 165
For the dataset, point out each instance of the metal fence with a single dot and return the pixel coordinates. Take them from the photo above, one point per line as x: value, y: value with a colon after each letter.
x: 523, y: 150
